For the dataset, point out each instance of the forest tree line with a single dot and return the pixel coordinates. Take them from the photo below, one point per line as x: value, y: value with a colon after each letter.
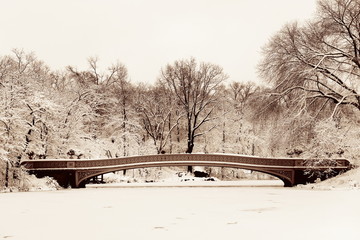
x: 309, y: 107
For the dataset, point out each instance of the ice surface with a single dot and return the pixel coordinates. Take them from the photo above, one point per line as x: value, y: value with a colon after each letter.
x: 181, y: 213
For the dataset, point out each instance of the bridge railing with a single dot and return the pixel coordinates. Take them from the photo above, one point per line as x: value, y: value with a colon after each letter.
x: 191, y: 158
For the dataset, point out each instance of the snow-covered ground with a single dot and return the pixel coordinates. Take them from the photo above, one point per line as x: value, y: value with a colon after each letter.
x: 347, y: 180
x: 192, y: 182
x: 181, y: 213
x: 187, y: 208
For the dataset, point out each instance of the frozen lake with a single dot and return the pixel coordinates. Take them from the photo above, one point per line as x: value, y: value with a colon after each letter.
x: 164, y: 212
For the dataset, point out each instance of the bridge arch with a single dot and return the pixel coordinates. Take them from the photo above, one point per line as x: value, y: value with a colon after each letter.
x: 284, y: 176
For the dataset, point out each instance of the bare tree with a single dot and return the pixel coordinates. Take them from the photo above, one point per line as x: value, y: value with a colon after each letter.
x: 82, y: 79
x: 122, y: 90
x: 241, y: 94
x: 93, y: 63
x: 155, y: 110
x: 318, y: 62
x: 195, y: 87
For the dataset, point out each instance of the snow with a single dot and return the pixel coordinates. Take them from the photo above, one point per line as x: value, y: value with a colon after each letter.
x: 347, y: 180
x: 191, y: 182
x: 184, y: 207
x: 181, y: 213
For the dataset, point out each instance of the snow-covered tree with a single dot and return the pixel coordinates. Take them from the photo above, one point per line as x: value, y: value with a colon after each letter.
x: 156, y: 106
x: 317, y: 63
x: 195, y: 87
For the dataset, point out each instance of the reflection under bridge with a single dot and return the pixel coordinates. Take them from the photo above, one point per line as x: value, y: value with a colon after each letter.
x: 76, y: 172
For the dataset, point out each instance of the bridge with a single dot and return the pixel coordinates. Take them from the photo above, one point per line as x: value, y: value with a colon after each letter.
x: 77, y: 172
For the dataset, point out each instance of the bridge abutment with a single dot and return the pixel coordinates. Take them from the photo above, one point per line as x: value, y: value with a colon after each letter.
x: 305, y: 176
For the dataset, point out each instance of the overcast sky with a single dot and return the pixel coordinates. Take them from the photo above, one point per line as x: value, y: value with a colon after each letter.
x: 145, y: 35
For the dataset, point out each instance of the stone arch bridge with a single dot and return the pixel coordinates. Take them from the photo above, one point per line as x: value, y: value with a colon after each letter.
x: 76, y: 173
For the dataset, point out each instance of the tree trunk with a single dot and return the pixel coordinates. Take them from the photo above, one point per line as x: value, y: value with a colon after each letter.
x: 189, y: 150
x: 7, y: 175
x: 190, y: 147
x: 124, y: 132
x: 223, y: 137
x: 170, y: 135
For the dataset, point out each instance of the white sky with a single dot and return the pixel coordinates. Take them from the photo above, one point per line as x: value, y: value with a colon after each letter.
x: 145, y: 35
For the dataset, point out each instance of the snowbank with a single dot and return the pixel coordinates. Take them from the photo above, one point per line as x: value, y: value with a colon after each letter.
x: 33, y: 183
x: 30, y: 183
x: 348, y: 180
